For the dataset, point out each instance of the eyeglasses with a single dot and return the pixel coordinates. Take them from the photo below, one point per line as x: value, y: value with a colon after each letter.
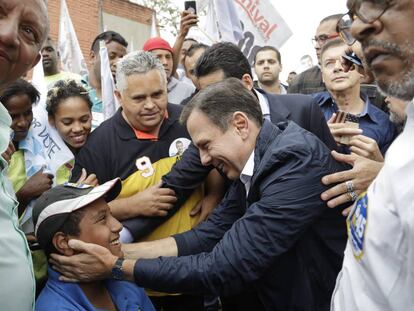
x: 323, y: 38
x: 344, y: 29
x: 367, y: 11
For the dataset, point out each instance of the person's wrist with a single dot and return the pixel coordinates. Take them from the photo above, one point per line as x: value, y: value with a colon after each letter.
x: 182, y: 34
x: 117, y: 270
x: 134, y: 206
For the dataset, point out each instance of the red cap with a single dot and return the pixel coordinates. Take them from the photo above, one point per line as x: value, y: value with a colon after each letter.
x: 157, y: 43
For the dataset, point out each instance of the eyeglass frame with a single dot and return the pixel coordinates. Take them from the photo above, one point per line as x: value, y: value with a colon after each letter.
x: 352, y: 16
x: 323, y: 38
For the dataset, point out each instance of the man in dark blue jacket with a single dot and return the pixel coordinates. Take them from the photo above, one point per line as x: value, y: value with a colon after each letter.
x: 218, y: 62
x: 272, y: 232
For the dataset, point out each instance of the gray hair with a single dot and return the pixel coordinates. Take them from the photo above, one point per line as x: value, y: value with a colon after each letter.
x: 221, y: 100
x: 137, y: 62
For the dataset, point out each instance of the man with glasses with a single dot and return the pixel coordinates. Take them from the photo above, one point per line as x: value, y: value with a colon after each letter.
x: 378, y: 271
x: 344, y: 95
x: 310, y: 81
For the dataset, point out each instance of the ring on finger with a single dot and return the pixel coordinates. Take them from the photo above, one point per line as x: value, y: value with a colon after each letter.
x: 353, y: 196
x: 349, y: 186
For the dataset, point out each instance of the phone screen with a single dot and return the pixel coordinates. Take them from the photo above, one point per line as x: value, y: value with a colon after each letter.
x: 190, y: 6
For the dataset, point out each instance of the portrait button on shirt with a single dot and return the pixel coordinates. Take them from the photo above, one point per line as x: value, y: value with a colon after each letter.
x: 247, y: 173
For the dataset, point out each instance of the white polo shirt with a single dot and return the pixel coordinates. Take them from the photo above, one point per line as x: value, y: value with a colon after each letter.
x: 378, y: 268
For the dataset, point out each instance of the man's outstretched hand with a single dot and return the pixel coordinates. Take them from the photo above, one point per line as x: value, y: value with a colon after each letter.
x: 361, y: 175
x: 90, y: 263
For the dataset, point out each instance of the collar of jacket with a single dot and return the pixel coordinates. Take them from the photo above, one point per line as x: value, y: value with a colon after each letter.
x: 268, y: 135
x: 278, y: 111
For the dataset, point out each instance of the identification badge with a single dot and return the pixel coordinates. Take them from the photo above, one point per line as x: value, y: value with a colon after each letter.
x: 357, y: 224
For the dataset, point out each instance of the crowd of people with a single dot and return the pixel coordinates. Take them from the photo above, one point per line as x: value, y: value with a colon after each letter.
x: 211, y: 188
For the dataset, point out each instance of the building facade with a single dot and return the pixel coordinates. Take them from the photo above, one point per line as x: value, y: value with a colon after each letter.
x: 90, y: 17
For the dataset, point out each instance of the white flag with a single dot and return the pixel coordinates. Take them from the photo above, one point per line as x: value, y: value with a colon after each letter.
x: 262, y: 25
x: 154, y: 29
x: 223, y: 22
x: 70, y: 51
x: 131, y: 47
x: 110, y: 103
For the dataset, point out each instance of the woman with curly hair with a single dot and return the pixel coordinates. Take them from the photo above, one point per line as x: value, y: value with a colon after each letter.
x: 69, y: 110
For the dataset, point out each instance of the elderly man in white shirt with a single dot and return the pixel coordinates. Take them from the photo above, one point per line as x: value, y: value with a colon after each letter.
x: 378, y: 269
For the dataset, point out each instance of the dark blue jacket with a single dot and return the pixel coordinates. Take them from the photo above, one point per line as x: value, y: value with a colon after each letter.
x: 283, y: 240
x: 189, y: 173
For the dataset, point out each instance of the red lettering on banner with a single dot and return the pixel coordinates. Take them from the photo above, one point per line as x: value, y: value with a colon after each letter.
x: 258, y: 19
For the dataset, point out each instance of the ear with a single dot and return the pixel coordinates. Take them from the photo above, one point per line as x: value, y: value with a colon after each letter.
x: 241, y: 124
x: 60, y: 242
x: 118, y: 96
x: 247, y: 81
x: 93, y: 58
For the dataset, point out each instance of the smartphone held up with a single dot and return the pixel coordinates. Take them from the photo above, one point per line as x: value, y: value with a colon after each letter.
x: 190, y: 6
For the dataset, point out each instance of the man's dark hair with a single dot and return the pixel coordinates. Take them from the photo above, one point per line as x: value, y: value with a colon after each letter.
x: 269, y: 48
x: 190, y: 39
x: 108, y: 36
x: 293, y: 72
x: 62, y: 90
x: 334, y: 17
x: 219, y: 101
x: 194, y: 48
x: 20, y: 87
x: 223, y: 56
x: 332, y: 44
x: 70, y: 227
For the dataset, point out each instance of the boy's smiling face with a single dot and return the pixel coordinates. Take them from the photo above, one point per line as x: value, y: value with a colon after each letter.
x: 98, y: 226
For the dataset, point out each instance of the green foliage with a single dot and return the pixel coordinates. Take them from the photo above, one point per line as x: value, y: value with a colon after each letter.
x: 168, y: 14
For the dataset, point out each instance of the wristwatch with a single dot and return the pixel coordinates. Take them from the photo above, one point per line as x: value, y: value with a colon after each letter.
x: 117, y: 272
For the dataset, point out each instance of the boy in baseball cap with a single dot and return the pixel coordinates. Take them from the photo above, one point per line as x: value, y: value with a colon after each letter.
x: 77, y: 211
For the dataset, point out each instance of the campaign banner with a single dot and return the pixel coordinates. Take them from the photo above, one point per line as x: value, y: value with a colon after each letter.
x: 262, y: 25
x: 44, y: 148
x: 256, y: 21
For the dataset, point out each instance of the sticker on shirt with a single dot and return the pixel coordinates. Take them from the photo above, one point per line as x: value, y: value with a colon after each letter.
x: 178, y: 146
x: 357, y: 224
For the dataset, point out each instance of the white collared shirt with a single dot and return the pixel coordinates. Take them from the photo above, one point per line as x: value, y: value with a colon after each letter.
x: 264, y: 105
x: 378, y: 268
x: 247, y: 173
